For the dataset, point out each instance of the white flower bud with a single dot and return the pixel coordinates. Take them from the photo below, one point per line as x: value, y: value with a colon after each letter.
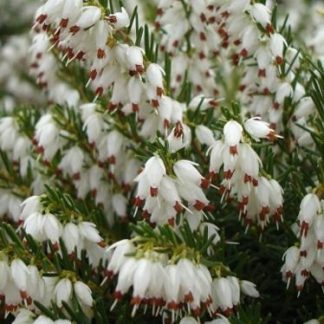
x: 154, y: 74
x: 24, y: 316
x: 317, y: 272
x: 142, y: 278
x: 152, y: 174
x: 83, y: 293
x: 235, y: 286
x: 319, y: 228
x: 119, y: 203
x: 309, y: 207
x: 20, y: 273
x: 291, y: 257
x: 216, y: 157
x: 125, y: 277
x: 277, y: 43
x: 204, y: 135
x: 222, y: 294
x: 284, y: 91
x: 135, y: 62
x: 89, y: 16
x: 259, y: 129
x: 135, y: 89
x: 4, y: 274
x: 72, y: 161
x: 249, y: 161
x: 71, y: 236
x: 52, y: 227
x: 30, y: 205
x: 22, y: 148
x: 304, y: 108
x: 248, y: 288
x: 33, y: 225
x: 119, y: 19
x: 186, y: 172
x: 261, y: 14
x: 179, y: 137
x: 63, y: 291
x: 232, y: 135
x: 89, y: 232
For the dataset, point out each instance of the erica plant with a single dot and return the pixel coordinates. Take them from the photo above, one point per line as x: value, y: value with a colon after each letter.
x: 161, y: 161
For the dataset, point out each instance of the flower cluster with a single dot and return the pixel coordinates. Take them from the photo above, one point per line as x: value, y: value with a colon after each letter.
x: 14, y: 63
x: 179, y: 285
x: 22, y: 284
x: 113, y: 66
x: 163, y: 194
x: 139, y: 133
x: 307, y: 258
x: 76, y: 235
x: 219, y: 32
x: 259, y: 198
x: 44, y: 68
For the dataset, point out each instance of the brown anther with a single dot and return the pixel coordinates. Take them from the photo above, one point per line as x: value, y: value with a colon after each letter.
x: 178, y: 130
x: 136, y: 300
x: 139, y: 68
x: 262, y: 73
x: 204, y: 183
x: 233, y: 149
x: 201, y: 55
x: 101, y: 53
x: 276, y: 105
x: 93, y: 74
x: 228, y: 174
x: 199, y: 205
x: 159, y: 11
x: 135, y: 107
x: 202, y: 17
x: 202, y: 36
x: 99, y: 91
x: 153, y: 191
x: 166, y: 124
x: 237, y: 42
x: 102, y: 244
x: 235, y: 59
x: 80, y: 55
x: 74, y: 29
x: 269, y: 29
x: 159, y: 91
x: 178, y: 208
x: 279, y: 60
x: 175, y: 43
x: 112, y: 19
x: 303, y: 253
x: 255, y: 182
x: 266, y: 92
x: 64, y: 22
x: 171, y: 221
x: 155, y: 103
x: 76, y: 176
x: 118, y: 295
x: 244, y: 53
x: 41, y: 18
